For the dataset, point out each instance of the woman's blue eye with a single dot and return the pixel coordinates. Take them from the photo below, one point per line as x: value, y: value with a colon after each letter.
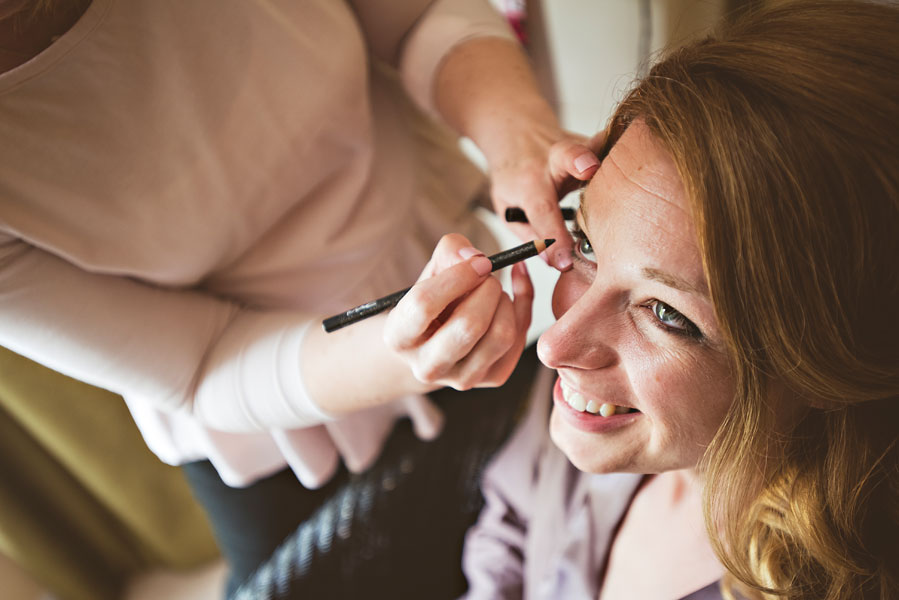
x: 672, y: 320
x: 583, y: 249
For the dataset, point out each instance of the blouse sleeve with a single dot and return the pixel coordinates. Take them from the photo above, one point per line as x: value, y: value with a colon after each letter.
x: 494, y: 554
x: 184, y: 349
x: 415, y: 36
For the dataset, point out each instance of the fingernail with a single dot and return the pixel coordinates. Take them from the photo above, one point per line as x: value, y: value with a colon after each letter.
x: 563, y: 261
x: 481, y: 265
x: 518, y: 285
x: 468, y: 252
x: 585, y: 161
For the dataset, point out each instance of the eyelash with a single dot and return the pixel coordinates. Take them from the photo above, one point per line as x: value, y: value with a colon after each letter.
x: 579, y: 237
x: 689, y: 330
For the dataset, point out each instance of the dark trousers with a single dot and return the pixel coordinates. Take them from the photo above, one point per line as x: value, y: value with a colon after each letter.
x: 394, y: 531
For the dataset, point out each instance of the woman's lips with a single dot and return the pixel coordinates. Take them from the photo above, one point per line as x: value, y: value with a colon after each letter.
x: 587, y: 421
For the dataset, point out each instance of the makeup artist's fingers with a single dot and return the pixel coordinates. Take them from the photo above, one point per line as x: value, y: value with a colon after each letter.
x: 523, y: 288
x: 436, y: 359
x: 537, y: 183
x: 522, y: 306
x: 571, y: 161
x: 452, y: 249
x: 415, y: 315
x: 531, y: 188
x: 474, y: 369
x: 492, y: 360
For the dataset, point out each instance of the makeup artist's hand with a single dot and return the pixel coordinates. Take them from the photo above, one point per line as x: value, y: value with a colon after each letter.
x: 534, y: 178
x: 456, y: 327
x: 487, y: 91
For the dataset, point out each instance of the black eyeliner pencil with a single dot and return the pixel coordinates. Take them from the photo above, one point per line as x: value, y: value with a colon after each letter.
x: 363, y: 311
x: 516, y: 215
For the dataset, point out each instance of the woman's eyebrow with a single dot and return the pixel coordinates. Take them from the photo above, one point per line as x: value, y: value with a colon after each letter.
x: 673, y: 281
x: 663, y: 277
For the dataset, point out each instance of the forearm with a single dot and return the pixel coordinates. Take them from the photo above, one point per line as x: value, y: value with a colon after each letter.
x: 351, y: 369
x: 487, y: 91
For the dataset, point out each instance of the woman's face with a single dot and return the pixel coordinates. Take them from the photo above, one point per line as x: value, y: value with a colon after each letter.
x: 636, y: 328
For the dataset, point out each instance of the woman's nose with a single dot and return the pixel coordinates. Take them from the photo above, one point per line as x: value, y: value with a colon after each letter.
x: 583, y: 337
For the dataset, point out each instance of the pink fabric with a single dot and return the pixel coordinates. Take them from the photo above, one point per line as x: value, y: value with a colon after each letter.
x: 185, y: 187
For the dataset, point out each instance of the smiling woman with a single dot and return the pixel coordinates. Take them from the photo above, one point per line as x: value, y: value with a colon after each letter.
x: 724, y: 347
x: 635, y: 323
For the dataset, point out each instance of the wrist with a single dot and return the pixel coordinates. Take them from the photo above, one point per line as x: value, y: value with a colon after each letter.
x: 487, y: 92
x: 351, y: 369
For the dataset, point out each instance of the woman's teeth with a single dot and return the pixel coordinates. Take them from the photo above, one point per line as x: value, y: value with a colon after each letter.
x: 577, y: 402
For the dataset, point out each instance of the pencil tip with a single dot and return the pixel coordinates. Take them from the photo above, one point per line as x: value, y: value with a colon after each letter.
x: 541, y: 245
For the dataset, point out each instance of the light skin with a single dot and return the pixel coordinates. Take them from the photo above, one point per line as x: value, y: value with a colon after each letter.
x: 636, y: 328
x: 663, y: 534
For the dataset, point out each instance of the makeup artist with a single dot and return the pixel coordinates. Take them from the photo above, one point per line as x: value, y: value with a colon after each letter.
x: 187, y: 188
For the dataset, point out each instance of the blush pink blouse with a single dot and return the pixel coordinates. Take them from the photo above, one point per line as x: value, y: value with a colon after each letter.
x: 186, y: 187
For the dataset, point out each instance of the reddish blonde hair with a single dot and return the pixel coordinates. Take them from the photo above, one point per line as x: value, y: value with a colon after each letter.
x: 784, y: 129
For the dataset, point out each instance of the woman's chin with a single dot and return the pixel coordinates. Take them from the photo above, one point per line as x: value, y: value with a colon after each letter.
x: 584, y: 450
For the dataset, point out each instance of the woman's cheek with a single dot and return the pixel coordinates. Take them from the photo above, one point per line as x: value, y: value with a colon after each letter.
x: 569, y: 287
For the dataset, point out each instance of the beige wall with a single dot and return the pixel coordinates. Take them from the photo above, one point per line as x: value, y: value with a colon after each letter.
x: 589, y: 51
